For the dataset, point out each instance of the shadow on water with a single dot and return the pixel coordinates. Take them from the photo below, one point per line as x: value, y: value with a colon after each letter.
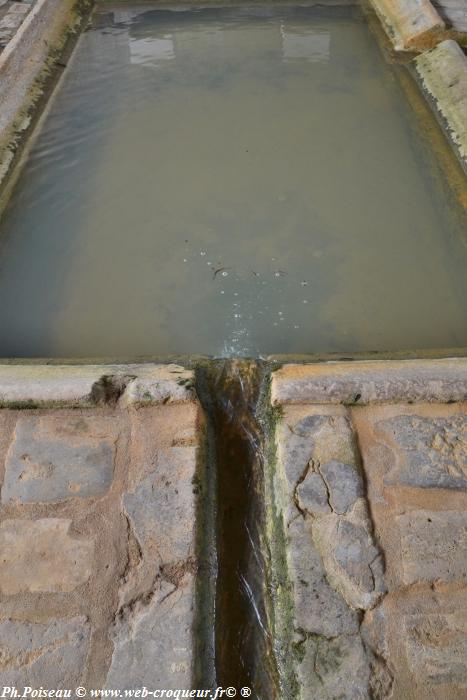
x: 243, y: 643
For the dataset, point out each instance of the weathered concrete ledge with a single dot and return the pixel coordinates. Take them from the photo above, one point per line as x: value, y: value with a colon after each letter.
x: 411, y: 25
x: 91, y: 385
x: 24, y: 65
x: 442, y: 73
x: 372, y: 381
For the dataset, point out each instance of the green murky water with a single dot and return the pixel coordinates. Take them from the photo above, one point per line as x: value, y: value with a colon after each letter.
x: 229, y: 182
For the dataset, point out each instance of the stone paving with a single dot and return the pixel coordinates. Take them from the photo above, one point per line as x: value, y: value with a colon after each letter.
x: 374, y: 504
x: 98, y: 529
x: 102, y: 476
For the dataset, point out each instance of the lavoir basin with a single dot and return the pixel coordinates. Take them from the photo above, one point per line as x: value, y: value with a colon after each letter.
x: 232, y: 182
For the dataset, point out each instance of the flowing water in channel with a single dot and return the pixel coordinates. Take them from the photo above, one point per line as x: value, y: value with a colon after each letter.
x: 230, y: 182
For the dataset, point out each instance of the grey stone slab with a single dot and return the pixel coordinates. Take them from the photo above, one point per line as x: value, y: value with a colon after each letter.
x: 53, y: 458
x: 162, y: 507
x: 49, y: 655
x: 318, y: 608
x: 433, y: 546
x: 334, y: 668
x: 40, y: 556
x: 313, y: 495
x: 433, y: 451
x: 352, y: 561
x: 344, y: 483
x: 153, y: 644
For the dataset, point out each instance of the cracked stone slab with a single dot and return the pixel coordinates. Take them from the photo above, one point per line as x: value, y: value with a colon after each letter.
x: 53, y: 458
x: 85, y: 385
x: 51, y: 654
x: 318, y: 608
x: 153, y: 643
x: 372, y: 381
x: 41, y: 556
x: 353, y: 562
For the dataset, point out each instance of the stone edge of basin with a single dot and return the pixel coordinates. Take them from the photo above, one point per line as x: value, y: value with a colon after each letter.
x: 372, y: 381
x: 24, y: 64
x: 442, y: 74
x: 412, y: 25
x: 93, y: 385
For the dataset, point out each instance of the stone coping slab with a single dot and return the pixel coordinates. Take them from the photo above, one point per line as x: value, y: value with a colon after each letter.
x: 442, y: 73
x: 412, y: 25
x: 410, y: 381
x: 90, y: 385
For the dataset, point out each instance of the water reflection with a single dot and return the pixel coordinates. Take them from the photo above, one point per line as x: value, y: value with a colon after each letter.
x: 233, y: 181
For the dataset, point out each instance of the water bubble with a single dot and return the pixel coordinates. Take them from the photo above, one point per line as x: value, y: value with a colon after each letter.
x: 235, y: 294
x: 275, y: 323
x: 296, y: 326
x: 225, y: 273
x: 203, y: 252
x: 304, y: 283
x: 185, y: 260
x: 280, y: 313
x: 305, y: 301
x: 222, y: 291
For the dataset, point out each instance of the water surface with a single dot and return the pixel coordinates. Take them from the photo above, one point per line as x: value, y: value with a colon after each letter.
x: 230, y: 182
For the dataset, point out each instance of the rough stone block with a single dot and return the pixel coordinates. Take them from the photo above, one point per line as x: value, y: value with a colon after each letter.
x: 333, y: 668
x: 53, y: 458
x: 352, y: 561
x: 318, y: 608
x: 436, y: 646
x: 41, y: 556
x: 153, y: 644
x: 433, y: 546
x: 50, y: 655
x: 410, y: 24
x: 430, y: 452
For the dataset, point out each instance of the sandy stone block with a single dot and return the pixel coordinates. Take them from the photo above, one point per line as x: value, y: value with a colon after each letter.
x: 433, y: 546
x: 436, y: 646
x: 51, y: 655
x: 40, y: 556
x: 53, y: 458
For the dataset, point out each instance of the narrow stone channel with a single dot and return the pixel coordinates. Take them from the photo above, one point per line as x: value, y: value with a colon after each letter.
x: 243, y: 643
